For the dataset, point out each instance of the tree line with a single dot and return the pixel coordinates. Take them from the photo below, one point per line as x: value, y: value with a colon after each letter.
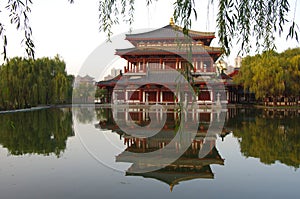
x: 26, y: 83
x: 273, y: 77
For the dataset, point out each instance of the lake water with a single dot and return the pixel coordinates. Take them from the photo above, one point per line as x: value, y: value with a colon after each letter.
x: 90, y: 152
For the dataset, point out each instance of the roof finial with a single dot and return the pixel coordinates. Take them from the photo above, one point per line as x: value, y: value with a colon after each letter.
x: 172, y: 22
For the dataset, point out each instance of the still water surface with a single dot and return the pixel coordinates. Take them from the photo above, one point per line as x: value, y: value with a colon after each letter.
x: 79, y: 153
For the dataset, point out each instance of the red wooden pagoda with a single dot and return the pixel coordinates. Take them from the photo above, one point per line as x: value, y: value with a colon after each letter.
x: 156, y: 53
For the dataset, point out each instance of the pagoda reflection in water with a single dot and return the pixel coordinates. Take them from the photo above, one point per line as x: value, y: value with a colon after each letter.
x: 188, y: 166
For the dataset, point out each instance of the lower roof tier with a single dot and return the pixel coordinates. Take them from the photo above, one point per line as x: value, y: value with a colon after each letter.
x: 174, y: 51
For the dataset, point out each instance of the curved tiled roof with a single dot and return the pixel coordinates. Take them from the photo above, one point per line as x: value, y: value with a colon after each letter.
x: 111, y: 82
x: 169, y: 32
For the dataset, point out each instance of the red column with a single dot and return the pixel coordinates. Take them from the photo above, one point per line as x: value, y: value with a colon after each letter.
x: 213, y: 69
x: 160, y: 63
x: 140, y: 95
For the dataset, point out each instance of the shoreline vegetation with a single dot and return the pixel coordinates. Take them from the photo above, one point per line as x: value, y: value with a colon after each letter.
x: 26, y: 83
x: 272, y: 77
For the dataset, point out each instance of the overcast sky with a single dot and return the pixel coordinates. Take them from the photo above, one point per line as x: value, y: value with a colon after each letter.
x: 71, y: 30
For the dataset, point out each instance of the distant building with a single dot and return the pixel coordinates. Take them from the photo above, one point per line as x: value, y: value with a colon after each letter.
x: 86, y: 80
x: 83, y: 91
x: 113, y: 73
x: 238, y: 62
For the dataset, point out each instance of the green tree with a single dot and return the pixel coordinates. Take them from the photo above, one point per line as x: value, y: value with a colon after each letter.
x: 271, y: 74
x: 241, y: 18
x: 27, y: 82
x: 290, y: 61
x: 101, y: 94
x: 84, y: 92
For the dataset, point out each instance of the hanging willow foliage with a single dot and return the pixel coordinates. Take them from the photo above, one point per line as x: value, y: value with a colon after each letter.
x: 240, y: 19
x: 26, y: 83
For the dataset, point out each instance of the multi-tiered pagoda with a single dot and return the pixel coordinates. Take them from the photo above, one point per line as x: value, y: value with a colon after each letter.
x: 154, y: 54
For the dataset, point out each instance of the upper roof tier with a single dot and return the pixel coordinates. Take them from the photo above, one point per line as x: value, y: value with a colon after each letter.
x: 170, y: 32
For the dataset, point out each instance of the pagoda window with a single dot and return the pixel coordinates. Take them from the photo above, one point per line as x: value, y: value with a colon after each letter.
x: 152, y: 96
x: 168, y: 97
x: 134, y: 95
x: 204, y: 96
x: 120, y: 95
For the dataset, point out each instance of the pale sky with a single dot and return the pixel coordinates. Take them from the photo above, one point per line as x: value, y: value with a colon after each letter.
x: 71, y: 30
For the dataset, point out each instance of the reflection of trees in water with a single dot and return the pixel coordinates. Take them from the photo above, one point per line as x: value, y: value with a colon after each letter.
x: 273, y: 136
x: 85, y: 115
x: 36, y: 132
